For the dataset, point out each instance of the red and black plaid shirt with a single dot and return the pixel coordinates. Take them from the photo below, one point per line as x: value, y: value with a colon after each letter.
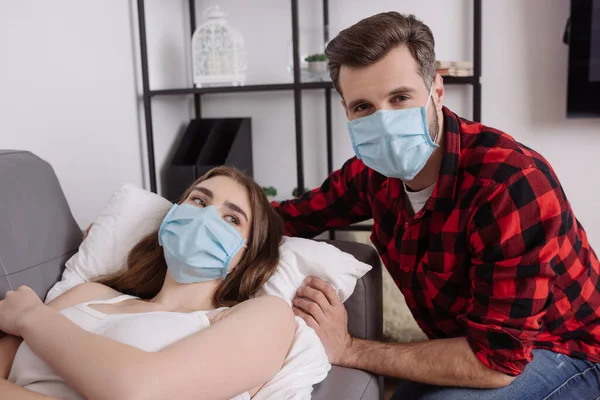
x: 496, y: 255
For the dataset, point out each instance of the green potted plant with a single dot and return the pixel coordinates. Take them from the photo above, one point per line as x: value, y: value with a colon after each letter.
x: 270, y: 192
x: 317, y: 63
x: 296, y: 192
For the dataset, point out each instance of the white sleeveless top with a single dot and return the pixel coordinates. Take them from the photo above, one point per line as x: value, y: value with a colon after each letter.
x: 150, y: 331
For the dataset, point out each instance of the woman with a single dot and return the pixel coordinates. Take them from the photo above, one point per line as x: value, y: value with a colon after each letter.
x: 144, y: 333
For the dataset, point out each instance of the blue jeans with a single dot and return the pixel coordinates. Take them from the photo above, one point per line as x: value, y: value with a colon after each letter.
x: 549, y: 376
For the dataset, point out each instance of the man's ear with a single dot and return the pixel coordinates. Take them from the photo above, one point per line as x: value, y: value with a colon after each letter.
x: 345, y: 108
x: 438, y: 92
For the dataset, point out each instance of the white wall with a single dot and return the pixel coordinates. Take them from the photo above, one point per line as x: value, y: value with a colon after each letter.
x: 524, y: 93
x: 524, y: 87
x: 67, y: 93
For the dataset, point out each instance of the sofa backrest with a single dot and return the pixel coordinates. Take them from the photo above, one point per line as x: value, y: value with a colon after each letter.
x: 38, y: 233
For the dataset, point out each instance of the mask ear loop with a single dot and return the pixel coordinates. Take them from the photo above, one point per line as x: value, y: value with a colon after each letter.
x: 429, y: 97
x: 437, y: 134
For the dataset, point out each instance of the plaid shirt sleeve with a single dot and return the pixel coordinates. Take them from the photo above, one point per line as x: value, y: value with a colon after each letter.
x: 515, y: 234
x: 340, y: 201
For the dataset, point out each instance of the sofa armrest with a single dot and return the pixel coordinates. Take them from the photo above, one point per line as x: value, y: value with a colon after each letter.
x: 365, y: 321
x: 365, y: 306
x: 348, y: 384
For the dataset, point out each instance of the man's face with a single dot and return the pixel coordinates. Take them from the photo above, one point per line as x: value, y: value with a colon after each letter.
x: 390, y: 84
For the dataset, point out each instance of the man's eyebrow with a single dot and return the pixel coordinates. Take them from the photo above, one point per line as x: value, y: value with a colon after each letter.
x: 236, y: 208
x: 398, y: 90
x: 204, y: 190
x: 401, y: 90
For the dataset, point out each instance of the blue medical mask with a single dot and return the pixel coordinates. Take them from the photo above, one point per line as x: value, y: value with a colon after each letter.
x: 198, y: 244
x: 395, y: 143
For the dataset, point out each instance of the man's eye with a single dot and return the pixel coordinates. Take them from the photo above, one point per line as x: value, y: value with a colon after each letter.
x: 232, y: 219
x: 401, y: 98
x: 362, y: 107
x: 199, y: 201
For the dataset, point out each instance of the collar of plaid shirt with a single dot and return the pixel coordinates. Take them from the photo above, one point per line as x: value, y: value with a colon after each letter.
x: 496, y: 255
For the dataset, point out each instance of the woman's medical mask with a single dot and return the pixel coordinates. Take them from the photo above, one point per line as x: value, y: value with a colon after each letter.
x: 198, y: 244
x: 395, y: 143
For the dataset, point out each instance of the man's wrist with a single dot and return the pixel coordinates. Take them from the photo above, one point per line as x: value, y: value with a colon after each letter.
x: 351, y: 353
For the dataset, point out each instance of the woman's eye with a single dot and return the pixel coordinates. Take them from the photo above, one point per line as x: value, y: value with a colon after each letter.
x: 199, y: 201
x: 232, y: 219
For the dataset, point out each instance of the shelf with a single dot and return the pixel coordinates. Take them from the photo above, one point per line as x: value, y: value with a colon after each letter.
x: 240, y: 89
x: 460, y: 80
x: 316, y: 85
x: 303, y: 81
x: 449, y: 80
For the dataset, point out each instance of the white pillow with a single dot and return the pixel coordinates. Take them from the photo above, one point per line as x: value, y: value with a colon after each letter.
x: 132, y: 213
x: 301, y: 258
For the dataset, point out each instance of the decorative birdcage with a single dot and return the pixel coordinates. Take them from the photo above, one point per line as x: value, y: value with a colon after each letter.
x: 218, y: 52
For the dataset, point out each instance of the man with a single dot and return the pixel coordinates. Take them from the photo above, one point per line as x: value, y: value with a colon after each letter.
x: 474, y: 228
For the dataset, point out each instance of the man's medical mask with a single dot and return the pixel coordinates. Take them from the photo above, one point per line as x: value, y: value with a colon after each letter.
x: 395, y: 143
x: 198, y: 244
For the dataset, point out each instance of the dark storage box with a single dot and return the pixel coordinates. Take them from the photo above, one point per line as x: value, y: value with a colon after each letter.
x: 208, y: 143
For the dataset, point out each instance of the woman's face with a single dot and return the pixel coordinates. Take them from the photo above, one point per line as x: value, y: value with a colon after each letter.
x: 232, y: 203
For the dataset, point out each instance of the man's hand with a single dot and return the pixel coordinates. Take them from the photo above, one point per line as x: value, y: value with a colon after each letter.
x: 319, y: 306
x: 442, y: 362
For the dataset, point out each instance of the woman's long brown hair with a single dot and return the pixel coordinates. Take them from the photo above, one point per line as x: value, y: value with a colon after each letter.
x: 144, y: 274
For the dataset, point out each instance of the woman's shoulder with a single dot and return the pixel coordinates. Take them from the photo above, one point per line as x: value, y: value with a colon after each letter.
x: 81, y: 293
x: 273, y: 306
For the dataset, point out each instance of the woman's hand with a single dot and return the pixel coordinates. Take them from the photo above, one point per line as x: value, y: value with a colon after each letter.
x: 15, y: 307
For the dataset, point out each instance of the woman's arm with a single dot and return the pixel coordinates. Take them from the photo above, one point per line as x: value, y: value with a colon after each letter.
x: 8, y: 348
x: 243, y: 350
x: 87, y: 291
x: 10, y: 391
x: 10, y: 344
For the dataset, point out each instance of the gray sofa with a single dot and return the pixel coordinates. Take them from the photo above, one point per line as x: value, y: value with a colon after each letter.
x: 38, y: 234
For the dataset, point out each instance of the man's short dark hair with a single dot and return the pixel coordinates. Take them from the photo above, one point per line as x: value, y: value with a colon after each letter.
x: 371, y: 39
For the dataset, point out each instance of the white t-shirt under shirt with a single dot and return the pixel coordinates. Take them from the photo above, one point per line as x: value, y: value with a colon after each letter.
x: 418, y: 199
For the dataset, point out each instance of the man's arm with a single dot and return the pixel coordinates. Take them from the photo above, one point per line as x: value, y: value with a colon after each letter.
x: 515, y: 236
x: 340, y: 201
x: 443, y: 362
x: 511, y: 282
x: 449, y: 362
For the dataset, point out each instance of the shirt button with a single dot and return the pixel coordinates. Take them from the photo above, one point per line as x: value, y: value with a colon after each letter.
x: 406, y: 269
x: 406, y: 225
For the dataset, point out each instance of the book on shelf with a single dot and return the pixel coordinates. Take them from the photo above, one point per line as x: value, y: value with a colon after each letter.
x: 454, y: 72
x: 453, y: 64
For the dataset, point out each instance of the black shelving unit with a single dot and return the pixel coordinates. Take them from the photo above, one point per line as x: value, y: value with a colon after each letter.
x: 297, y: 86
